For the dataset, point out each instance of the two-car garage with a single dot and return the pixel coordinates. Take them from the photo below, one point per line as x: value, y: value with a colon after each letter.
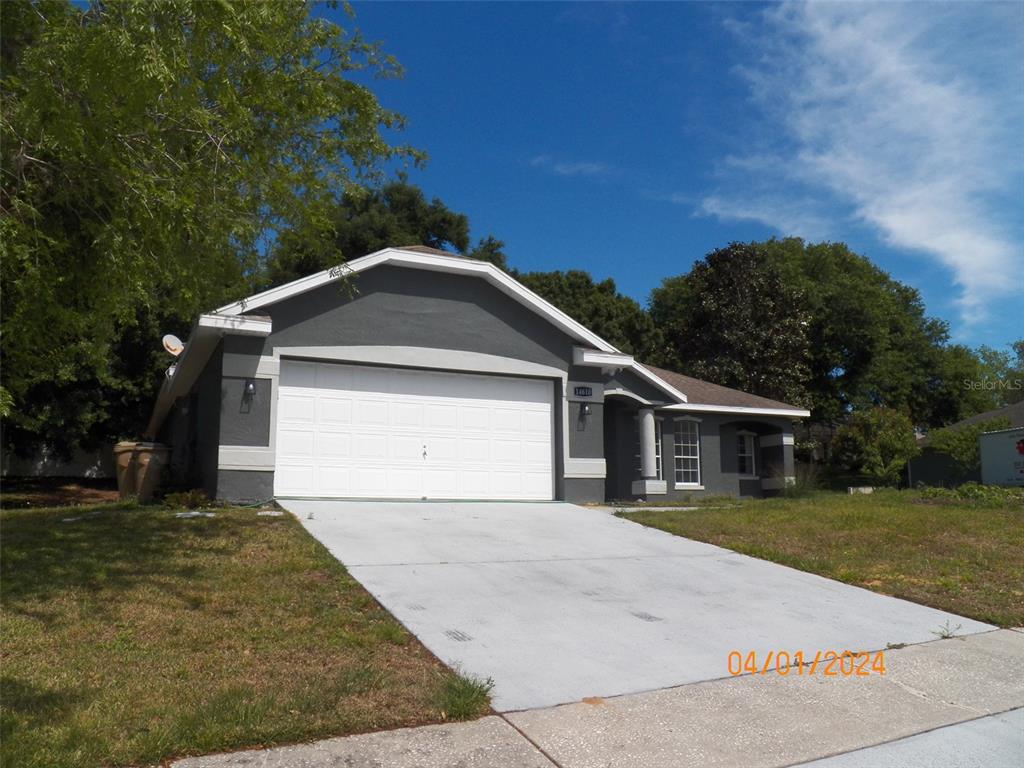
x: 358, y: 431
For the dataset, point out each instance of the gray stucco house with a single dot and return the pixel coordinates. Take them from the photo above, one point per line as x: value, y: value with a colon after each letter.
x: 414, y: 373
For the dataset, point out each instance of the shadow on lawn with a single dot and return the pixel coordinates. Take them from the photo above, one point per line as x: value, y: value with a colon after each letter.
x: 115, y: 550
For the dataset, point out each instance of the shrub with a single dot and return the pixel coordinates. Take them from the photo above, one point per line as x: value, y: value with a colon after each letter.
x: 193, y: 499
x: 877, y: 443
x: 974, y: 492
x: 961, y: 443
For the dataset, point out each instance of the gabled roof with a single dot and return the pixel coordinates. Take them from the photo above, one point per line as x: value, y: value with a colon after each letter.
x: 240, y: 317
x: 423, y: 257
x: 703, y: 395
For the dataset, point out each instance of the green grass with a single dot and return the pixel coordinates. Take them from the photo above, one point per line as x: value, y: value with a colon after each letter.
x: 966, y: 557
x: 132, y: 636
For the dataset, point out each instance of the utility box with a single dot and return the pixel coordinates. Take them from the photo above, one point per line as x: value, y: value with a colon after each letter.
x: 1002, y: 457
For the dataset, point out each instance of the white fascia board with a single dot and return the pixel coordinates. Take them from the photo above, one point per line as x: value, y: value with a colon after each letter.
x: 239, y: 325
x: 189, y: 365
x: 792, y: 413
x: 598, y: 358
x: 450, y: 264
x: 657, y: 381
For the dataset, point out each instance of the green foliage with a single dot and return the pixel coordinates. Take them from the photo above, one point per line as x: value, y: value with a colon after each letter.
x: 1001, y: 374
x: 149, y: 151
x: 463, y: 697
x: 737, y: 321
x: 817, y: 324
x: 961, y: 443
x: 806, y: 481
x: 600, y: 307
x: 974, y: 492
x: 195, y: 498
x: 396, y: 214
x: 877, y: 443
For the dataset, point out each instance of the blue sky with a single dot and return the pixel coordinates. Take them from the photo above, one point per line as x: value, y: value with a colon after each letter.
x: 631, y: 139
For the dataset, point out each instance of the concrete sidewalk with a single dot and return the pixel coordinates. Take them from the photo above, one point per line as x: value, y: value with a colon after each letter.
x: 751, y: 721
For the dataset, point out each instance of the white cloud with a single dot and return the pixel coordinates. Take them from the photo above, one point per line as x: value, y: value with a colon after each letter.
x: 566, y: 168
x: 902, y: 117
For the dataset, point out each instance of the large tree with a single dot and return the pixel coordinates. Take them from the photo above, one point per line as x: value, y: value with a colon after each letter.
x: 149, y: 152
x: 838, y: 327
x: 872, y: 343
x: 600, y: 307
x: 735, y: 320
x: 364, y: 221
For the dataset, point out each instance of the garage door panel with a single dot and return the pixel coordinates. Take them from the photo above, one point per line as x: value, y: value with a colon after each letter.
x: 441, y: 416
x: 537, y: 423
x: 404, y: 483
x: 292, y: 479
x: 370, y: 446
x: 474, y: 419
x: 333, y: 445
x: 369, y: 480
x: 406, y: 416
x: 506, y: 484
x: 536, y: 453
x: 362, y: 431
x: 296, y: 443
x: 371, y: 412
x: 334, y: 411
x: 507, y: 451
x: 474, y: 449
x: 334, y: 480
x: 404, y: 448
x: 297, y: 408
x: 441, y: 483
x: 506, y: 420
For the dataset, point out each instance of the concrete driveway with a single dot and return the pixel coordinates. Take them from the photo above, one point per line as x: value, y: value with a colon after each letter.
x: 557, y: 603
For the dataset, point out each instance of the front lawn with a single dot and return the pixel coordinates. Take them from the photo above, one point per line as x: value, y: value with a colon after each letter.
x: 966, y: 557
x: 129, y: 636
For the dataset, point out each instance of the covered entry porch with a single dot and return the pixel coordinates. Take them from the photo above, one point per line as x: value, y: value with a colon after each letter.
x: 663, y: 452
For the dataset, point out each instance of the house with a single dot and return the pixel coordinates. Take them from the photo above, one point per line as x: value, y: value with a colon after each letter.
x: 414, y: 373
x: 933, y: 467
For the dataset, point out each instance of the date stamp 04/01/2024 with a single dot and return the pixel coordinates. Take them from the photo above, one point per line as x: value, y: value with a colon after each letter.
x: 797, y: 663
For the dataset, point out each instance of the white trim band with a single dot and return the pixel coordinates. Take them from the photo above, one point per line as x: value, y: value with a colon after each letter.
x: 649, y: 487
x: 782, y: 438
x: 584, y: 468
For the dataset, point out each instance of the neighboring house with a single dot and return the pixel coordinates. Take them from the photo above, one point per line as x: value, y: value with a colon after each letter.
x: 426, y: 375
x: 932, y: 467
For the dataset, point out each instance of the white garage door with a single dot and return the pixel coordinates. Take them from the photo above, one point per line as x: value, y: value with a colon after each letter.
x: 360, y: 431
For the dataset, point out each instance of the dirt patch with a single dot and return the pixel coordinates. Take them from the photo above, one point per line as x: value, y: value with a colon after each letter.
x: 29, y: 492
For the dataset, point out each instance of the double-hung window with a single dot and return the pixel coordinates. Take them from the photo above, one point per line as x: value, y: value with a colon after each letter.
x: 745, y: 463
x: 657, y: 449
x: 687, y: 452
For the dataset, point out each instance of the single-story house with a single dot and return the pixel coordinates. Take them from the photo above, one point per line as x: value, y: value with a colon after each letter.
x: 415, y: 373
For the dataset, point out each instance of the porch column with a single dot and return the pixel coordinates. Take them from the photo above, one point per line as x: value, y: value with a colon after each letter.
x: 648, y: 459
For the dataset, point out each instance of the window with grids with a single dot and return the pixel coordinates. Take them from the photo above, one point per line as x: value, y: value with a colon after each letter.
x: 745, y: 455
x: 687, y: 452
x: 657, y: 449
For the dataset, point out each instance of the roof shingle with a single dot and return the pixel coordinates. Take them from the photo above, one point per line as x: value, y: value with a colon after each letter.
x: 700, y: 392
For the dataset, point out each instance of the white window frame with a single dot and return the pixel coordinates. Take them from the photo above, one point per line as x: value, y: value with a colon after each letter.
x: 637, y: 469
x: 678, y: 456
x: 746, y: 445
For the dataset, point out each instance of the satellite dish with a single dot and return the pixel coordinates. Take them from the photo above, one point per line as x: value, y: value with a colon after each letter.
x: 173, y: 344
